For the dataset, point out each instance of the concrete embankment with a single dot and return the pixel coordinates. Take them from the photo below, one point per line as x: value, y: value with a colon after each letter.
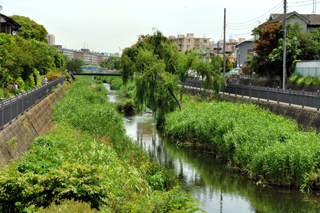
x: 307, y: 119
x: 17, y: 137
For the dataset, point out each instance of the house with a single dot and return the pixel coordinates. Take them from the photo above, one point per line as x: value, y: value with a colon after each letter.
x: 308, y: 22
x: 243, y: 50
x: 8, y: 25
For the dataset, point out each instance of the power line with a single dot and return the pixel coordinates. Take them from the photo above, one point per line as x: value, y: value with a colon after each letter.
x: 246, y: 27
x: 297, y: 2
x: 305, y: 4
x: 276, y: 7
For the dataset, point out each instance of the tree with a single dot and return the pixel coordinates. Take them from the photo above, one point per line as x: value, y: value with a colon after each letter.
x: 292, y: 52
x: 30, y: 29
x: 112, y: 62
x: 157, y: 67
x: 73, y: 67
x: 16, y: 57
x: 269, y: 36
x: 80, y: 61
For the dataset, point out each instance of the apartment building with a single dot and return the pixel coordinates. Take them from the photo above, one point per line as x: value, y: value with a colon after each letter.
x: 87, y: 56
x: 189, y: 42
x: 51, y: 39
x: 69, y: 53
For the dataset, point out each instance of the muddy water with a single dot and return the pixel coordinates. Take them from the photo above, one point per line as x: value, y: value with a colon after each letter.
x: 221, y: 189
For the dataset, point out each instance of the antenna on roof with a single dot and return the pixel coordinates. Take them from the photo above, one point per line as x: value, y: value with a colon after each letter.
x: 313, y: 7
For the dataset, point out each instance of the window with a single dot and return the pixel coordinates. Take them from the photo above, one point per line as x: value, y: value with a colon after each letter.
x: 197, y: 39
x: 188, y: 40
x: 205, y: 41
x: 188, y: 46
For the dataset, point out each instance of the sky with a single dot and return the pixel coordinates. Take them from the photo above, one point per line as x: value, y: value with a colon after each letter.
x: 111, y: 26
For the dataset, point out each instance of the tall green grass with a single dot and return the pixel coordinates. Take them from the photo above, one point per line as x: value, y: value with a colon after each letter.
x: 264, y: 145
x: 88, y: 158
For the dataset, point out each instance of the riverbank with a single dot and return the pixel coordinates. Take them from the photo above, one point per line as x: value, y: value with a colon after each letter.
x: 17, y: 137
x: 267, y: 147
x: 87, y: 158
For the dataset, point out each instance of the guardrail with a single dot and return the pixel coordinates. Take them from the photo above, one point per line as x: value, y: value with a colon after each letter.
x: 13, y: 107
x: 296, y: 97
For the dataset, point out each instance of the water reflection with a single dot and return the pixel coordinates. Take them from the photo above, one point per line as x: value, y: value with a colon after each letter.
x: 221, y: 189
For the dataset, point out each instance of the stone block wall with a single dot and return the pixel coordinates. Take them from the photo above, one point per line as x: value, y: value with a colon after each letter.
x: 16, y: 137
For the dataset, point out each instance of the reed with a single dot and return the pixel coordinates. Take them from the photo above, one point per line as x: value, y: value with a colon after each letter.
x: 265, y: 146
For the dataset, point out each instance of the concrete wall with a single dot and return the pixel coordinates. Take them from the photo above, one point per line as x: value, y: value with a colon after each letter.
x: 306, y: 119
x: 16, y: 138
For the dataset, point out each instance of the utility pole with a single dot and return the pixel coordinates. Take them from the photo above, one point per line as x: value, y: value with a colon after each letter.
x: 224, y: 46
x: 284, y: 45
x: 218, y: 53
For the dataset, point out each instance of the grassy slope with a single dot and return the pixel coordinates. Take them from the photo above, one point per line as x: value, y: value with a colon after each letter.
x: 87, y: 157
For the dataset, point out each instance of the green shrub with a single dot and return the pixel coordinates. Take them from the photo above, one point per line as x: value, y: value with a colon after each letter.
x: 116, y: 83
x: 308, y: 80
x: 300, y: 81
x: 293, y: 78
x: 128, y: 90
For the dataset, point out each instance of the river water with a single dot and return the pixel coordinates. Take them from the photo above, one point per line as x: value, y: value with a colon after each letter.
x: 221, y: 189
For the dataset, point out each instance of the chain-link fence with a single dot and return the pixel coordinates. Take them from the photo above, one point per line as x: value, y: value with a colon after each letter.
x: 13, y: 107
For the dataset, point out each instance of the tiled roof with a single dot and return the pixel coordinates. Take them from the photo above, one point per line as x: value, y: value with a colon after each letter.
x: 11, y: 21
x: 311, y: 19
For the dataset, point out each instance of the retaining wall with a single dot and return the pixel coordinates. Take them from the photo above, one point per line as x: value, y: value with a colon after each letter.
x: 16, y: 137
x: 307, y: 119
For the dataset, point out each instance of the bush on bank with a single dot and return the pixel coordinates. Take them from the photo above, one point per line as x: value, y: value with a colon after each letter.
x: 87, y: 157
x: 264, y: 145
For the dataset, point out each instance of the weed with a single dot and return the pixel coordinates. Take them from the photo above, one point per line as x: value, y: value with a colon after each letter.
x: 12, y: 144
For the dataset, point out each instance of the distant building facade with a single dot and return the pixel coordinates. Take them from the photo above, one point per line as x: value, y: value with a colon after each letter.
x: 189, y: 42
x: 51, y: 39
x: 85, y: 54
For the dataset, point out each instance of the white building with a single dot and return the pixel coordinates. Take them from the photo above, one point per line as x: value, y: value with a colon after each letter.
x: 51, y: 39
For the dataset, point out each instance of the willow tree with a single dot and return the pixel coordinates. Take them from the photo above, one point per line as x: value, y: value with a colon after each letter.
x: 158, y: 67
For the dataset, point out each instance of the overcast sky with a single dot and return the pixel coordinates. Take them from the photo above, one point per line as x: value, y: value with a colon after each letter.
x: 107, y: 26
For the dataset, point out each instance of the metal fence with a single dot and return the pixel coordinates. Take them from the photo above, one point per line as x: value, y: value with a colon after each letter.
x: 296, y: 97
x: 13, y: 107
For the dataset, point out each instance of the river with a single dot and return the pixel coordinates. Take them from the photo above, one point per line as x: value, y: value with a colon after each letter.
x: 221, y: 189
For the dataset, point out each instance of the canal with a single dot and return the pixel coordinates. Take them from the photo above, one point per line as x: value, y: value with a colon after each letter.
x: 221, y: 189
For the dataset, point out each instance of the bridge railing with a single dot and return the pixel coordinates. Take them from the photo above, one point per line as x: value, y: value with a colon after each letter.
x: 13, y: 107
x: 296, y: 97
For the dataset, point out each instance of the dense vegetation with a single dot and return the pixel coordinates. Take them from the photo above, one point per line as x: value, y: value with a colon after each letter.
x: 269, y: 48
x: 265, y: 146
x: 126, y: 92
x: 31, y: 29
x: 111, y: 63
x: 25, y: 58
x: 87, y: 158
